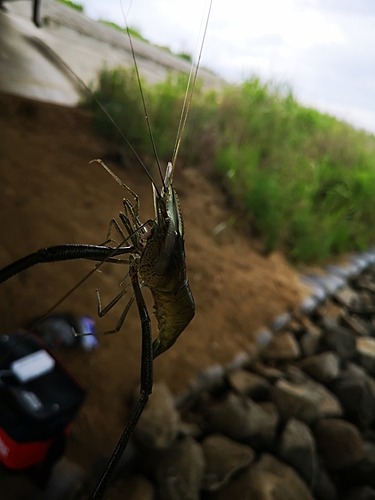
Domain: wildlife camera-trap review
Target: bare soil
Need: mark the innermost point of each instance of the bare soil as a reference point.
(50, 194)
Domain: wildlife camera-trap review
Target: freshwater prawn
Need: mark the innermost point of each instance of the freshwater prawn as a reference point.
(155, 260)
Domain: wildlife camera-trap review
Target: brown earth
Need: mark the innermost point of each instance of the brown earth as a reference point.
(51, 195)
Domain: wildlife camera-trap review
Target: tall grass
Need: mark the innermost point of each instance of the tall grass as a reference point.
(73, 5)
(133, 32)
(307, 179)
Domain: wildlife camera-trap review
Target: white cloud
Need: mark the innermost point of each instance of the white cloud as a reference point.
(324, 48)
(305, 29)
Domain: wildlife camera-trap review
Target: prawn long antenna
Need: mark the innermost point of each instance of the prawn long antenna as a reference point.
(142, 96)
(88, 90)
(189, 95)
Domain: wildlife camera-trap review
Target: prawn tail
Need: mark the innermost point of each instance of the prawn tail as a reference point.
(173, 312)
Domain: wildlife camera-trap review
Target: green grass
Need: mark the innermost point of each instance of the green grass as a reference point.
(72, 5)
(187, 57)
(182, 55)
(304, 177)
(134, 32)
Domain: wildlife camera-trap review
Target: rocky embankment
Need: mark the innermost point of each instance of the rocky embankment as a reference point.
(294, 420)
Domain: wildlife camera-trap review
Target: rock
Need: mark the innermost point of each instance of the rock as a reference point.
(66, 480)
(263, 337)
(267, 479)
(331, 282)
(357, 324)
(135, 487)
(366, 353)
(307, 401)
(295, 375)
(343, 271)
(241, 359)
(180, 471)
(310, 341)
(206, 380)
(280, 322)
(309, 304)
(268, 372)
(360, 493)
(339, 443)
(282, 347)
(322, 367)
(330, 315)
(249, 384)
(267, 436)
(366, 302)
(242, 419)
(323, 487)
(366, 282)
(369, 257)
(356, 392)
(296, 326)
(366, 307)
(224, 458)
(342, 341)
(252, 355)
(159, 422)
(364, 471)
(347, 297)
(360, 261)
(191, 429)
(231, 417)
(319, 292)
(297, 448)
(371, 384)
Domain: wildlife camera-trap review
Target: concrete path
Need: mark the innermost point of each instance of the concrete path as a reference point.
(34, 61)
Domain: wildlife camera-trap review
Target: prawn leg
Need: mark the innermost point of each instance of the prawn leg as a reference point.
(102, 312)
(60, 253)
(146, 388)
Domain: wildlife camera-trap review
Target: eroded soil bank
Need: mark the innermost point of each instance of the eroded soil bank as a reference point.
(51, 195)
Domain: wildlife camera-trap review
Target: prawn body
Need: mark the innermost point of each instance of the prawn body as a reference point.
(162, 268)
(157, 262)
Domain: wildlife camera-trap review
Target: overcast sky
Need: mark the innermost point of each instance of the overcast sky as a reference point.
(323, 49)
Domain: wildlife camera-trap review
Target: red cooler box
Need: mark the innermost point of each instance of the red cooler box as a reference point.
(38, 400)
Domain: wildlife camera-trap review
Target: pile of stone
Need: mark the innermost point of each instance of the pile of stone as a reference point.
(295, 419)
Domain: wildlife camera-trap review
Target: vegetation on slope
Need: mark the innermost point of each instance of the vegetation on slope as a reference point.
(72, 5)
(305, 177)
(135, 33)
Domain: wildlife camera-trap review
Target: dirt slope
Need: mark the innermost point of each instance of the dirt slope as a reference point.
(51, 195)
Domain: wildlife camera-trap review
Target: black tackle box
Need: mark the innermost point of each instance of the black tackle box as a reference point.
(33, 409)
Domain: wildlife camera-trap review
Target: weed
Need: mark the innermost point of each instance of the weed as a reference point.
(307, 178)
(72, 5)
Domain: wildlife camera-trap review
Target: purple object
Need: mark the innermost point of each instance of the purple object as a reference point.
(89, 340)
